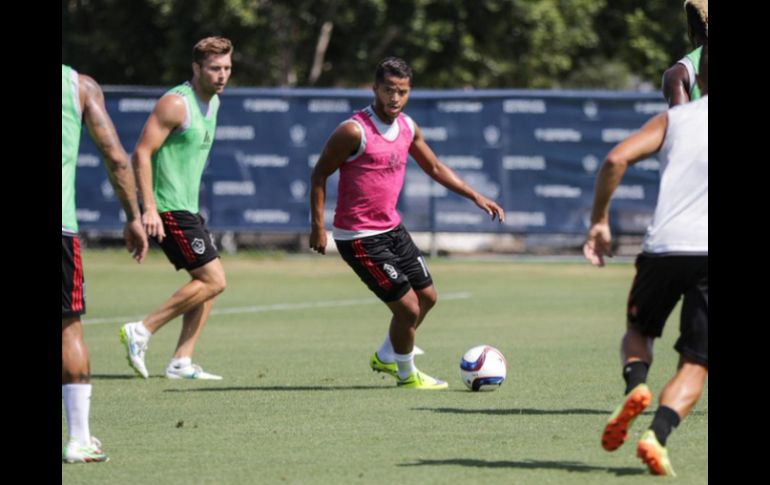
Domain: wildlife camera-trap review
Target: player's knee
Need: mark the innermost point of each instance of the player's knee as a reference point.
(408, 310)
(72, 336)
(218, 285)
(411, 312)
(428, 301)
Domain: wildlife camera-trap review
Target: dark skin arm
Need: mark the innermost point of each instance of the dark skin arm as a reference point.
(675, 82)
(103, 133)
(429, 162)
(342, 143)
(345, 141)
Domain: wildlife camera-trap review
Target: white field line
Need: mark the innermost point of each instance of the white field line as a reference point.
(276, 308)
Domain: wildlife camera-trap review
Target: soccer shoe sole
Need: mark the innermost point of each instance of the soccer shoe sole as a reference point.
(87, 459)
(616, 430)
(425, 387)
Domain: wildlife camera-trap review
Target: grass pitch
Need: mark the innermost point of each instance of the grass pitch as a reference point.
(299, 404)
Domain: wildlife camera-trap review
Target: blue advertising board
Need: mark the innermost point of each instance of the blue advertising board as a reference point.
(535, 152)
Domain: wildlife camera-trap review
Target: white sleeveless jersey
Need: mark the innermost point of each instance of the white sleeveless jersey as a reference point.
(681, 220)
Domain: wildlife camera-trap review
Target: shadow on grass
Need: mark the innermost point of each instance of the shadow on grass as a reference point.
(535, 412)
(113, 377)
(516, 411)
(569, 466)
(280, 388)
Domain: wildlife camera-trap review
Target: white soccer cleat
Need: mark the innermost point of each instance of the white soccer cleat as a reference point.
(190, 371)
(417, 351)
(75, 453)
(136, 346)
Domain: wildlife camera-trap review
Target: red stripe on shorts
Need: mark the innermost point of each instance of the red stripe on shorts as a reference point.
(373, 269)
(77, 277)
(181, 241)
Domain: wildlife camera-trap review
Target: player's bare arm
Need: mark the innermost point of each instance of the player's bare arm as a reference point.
(638, 146)
(429, 162)
(168, 114)
(343, 143)
(105, 137)
(675, 82)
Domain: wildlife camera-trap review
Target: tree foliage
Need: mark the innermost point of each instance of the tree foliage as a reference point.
(618, 44)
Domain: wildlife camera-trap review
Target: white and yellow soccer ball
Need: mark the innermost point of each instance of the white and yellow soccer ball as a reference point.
(483, 368)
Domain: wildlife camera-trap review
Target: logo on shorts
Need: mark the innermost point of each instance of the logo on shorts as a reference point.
(198, 245)
(391, 271)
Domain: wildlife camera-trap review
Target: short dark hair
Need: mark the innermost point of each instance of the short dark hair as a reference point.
(703, 67)
(211, 46)
(392, 66)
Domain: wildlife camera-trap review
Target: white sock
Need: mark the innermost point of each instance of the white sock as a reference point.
(77, 404)
(386, 352)
(142, 331)
(180, 362)
(405, 363)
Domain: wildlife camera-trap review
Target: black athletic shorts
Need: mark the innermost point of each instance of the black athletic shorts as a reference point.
(659, 283)
(389, 263)
(73, 287)
(188, 243)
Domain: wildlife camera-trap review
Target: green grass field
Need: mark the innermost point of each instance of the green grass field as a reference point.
(299, 403)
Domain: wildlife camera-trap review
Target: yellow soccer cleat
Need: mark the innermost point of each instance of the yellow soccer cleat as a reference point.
(419, 380)
(654, 455)
(379, 366)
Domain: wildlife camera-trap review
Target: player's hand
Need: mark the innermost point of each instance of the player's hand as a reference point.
(136, 240)
(598, 244)
(318, 240)
(491, 208)
(153, 224)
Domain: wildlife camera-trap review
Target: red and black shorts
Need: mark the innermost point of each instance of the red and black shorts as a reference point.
(188, 243)
(659, 283)
(389, 263)
(73, 294)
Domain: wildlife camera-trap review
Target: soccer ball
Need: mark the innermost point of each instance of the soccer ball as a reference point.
(483, 368)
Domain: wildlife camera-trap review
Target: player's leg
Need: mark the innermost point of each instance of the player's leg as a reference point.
(410, 310)
(683, 391)
(76, 368)
(406, 314)
(652, 297)
(189, 246)
(181, 365)
(677, 399)
(374, 261)
(427, 298)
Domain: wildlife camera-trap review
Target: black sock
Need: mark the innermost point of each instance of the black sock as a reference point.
(664, 422)
(635, 373)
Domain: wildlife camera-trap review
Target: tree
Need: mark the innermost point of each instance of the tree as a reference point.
(450, 43)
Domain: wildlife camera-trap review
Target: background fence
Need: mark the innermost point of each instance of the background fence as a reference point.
(535, 152)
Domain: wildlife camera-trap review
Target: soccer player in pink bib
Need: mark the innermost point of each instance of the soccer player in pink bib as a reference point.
(371, 150)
